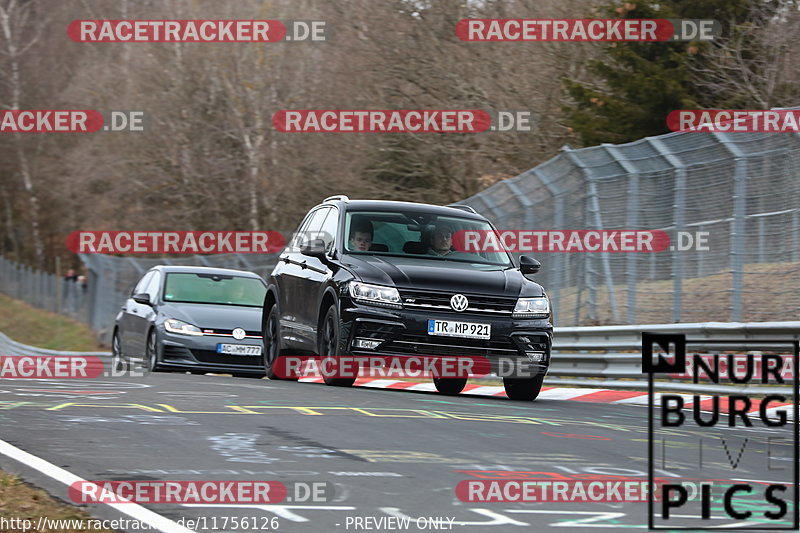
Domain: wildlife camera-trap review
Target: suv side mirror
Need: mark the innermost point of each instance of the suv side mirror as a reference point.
(142, 298)
(529, 265)
(314, 248)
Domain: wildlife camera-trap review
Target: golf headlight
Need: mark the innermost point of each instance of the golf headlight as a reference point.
(532, 308)
(375, 294)
(173, 325)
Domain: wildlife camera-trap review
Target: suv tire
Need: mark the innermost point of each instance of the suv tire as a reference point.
(450, 386)
(524, 389)
(329, 344)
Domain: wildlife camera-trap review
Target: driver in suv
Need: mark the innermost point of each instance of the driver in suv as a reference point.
(380, 278)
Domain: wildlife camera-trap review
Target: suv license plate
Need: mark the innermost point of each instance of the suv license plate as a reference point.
(466, 330)
(238, 349)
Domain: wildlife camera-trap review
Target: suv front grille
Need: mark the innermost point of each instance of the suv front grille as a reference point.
(440, 301)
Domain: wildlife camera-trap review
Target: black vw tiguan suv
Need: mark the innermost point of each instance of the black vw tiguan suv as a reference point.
(369, 278)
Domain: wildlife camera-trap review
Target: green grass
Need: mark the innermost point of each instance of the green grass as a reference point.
(22, 501)
(36, 327)
(29, 325)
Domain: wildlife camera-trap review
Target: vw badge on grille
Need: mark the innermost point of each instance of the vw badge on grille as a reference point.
(238, 334)
(459, 302)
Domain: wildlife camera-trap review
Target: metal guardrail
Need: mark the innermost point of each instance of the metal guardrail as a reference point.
(630, 337)
(14, 348)
(577, 359)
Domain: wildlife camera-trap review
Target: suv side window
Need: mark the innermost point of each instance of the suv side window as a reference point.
(141, 286)
(315, 224)
(299, 236)
(154, 286)
(329, 227)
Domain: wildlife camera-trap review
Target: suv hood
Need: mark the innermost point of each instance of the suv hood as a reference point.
(442, 275)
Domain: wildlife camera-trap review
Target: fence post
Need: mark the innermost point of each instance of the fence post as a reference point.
(36, 300)
(558, 221)
(679, 209)
(632, 260)
(597, 222)
(738, 224)
(29, 284)
(18, 282)
(94, 298)
(51, 294)
(738, 237)
(679, 205)
(580, 281)
(700, 256)
(632, 221)
(558, 278)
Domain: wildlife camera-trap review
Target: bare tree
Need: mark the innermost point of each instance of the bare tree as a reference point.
(20, 32)
(210, 157)
(757, 65)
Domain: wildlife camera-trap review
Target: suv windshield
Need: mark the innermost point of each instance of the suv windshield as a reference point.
(214, 289)
(414, 234)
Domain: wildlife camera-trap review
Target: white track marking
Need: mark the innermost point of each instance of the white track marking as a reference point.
(133, 510)
(562, 393)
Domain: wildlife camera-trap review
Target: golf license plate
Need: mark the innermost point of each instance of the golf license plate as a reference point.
(466, 330)
(238, 349)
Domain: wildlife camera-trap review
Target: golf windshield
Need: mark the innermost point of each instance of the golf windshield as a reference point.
(214, 289)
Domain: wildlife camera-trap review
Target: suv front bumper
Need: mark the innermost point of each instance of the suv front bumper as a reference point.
(524, 344)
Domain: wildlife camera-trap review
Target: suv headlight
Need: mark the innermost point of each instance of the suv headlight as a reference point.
(532, 308)
(375, 294)
(173, 325)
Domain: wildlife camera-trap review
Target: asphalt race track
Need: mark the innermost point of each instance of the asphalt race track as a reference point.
(386, 453)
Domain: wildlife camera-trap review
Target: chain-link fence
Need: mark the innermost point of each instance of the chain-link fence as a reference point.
(743, 189)
(96, 300)
(63, 295)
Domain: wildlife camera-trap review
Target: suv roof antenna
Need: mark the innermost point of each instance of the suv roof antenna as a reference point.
(341, 197)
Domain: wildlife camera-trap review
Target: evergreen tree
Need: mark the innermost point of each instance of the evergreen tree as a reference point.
(639, 83)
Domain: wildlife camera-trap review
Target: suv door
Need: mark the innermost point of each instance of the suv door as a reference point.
(317, 273)
(289, 278)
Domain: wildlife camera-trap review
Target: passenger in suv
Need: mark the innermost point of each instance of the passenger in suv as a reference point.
(401, 297)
